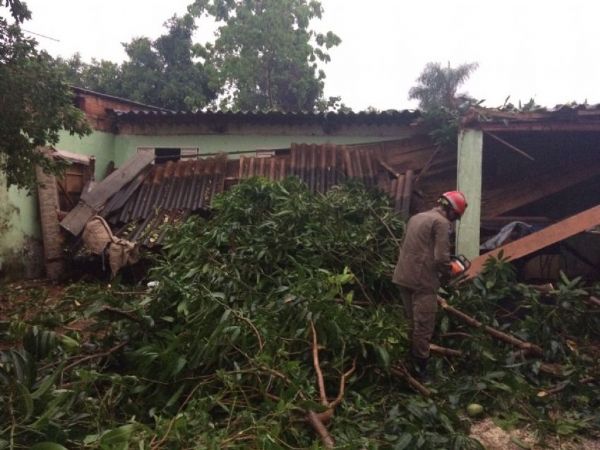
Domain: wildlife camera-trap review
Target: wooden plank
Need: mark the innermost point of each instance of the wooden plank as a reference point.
(77, 218)
(389, 168)
(348, 162)
(407, 193)
(116, 180)
(545, 126)
(293, 160)
(398, 194)
(517, 194)
(511, 146)
(241, 167)
(92, 201)
(370, 168)
(543, 238)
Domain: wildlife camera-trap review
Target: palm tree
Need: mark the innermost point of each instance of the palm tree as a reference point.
(438, 86)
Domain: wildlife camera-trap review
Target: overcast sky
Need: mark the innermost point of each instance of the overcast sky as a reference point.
(545, 49)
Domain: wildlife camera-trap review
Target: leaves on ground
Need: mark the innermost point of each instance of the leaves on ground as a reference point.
(219, 354)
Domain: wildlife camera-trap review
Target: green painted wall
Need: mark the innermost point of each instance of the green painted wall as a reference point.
(99, 144)
(470, 151)
(127, 145)
(20, 234)
(20, 231)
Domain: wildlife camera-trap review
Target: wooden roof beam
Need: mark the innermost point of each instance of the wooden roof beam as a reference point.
(536, 241)
(539, 126)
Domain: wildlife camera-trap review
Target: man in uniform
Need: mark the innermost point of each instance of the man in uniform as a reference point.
(424, 259)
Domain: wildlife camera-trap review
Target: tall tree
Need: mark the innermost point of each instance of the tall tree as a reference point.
(266, 54)
(441, 103)
(170, 71)
(35, 103)
(103, 76)
(438, 86)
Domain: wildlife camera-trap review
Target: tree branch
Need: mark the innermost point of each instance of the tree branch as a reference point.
(523, 345)
(400, 371)
(340, 396)
(444, 350)
(316, 423)
(315, 353)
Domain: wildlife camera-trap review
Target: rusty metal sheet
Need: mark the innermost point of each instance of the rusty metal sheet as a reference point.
(181, 186)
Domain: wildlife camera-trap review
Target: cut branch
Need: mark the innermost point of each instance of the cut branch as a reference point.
(319, 420)
(543, 288)
(126, 314)
(400, 371)
(561, 387)
(516, 342)
(96, 355)
(457, 334)
(343, 379)
(444, 350)
(396, 240)
(428, 164)
(594, 301)
(321, 430)
(315, 352)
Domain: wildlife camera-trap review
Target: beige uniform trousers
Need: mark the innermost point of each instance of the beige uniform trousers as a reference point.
(420, 309)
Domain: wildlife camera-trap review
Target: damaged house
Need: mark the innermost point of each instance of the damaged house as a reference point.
(123, 130)
(532, 179)
(540, 170)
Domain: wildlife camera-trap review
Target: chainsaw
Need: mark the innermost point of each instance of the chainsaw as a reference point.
(459, 264)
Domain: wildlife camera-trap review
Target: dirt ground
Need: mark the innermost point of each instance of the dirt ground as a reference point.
(35, 300)
(495, 438)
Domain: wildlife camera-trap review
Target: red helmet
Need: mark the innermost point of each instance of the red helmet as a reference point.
(457, 201)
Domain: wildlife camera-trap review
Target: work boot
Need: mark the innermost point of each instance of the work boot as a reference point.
(420, 366)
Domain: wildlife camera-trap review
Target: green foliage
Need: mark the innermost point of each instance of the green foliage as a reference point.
(504, 380)
(529, 106)
(170, 71)
(266, 54)
(438, 86)
(35, 103)
(442, 105)
(219, 354)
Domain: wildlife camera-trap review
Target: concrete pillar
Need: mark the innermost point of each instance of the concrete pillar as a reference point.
(470, 152)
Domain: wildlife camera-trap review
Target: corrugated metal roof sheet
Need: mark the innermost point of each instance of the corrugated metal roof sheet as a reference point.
(80, 90)
(566, 112)
(370, 117)
(167, 192)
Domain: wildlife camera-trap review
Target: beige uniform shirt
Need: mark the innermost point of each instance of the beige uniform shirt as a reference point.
(425, 252)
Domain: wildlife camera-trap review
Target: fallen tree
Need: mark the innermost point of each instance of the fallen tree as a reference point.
(275, 324)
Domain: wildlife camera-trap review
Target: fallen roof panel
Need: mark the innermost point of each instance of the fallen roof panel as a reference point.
(536, 241)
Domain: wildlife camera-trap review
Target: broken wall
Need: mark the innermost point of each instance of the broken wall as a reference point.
(21, 250)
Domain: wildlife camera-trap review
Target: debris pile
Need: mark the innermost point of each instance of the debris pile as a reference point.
(274, 324)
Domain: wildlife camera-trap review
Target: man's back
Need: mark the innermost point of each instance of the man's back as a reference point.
(425, 251)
